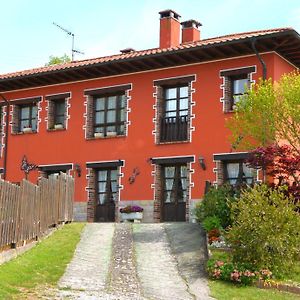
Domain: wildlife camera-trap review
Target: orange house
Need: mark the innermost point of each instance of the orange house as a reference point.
(141, 127)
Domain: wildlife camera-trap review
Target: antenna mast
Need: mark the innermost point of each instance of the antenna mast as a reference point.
(73, 51)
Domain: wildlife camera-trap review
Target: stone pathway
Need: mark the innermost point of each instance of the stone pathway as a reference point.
(157, 268)
(136, 262)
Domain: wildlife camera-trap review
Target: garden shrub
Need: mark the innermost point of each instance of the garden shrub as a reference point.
(235, 272)
(265, 232)
(211, 222)
(216, 202)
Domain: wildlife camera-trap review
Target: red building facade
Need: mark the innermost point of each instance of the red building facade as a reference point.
(141, 127)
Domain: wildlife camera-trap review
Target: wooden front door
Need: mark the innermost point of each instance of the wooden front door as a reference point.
(174, 193)
(106, 194)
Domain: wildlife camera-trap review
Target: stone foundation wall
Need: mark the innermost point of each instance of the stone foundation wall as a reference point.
(80, 211)
(192, 217)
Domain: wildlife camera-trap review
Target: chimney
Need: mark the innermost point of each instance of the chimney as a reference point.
(169, 29)
(190, 31)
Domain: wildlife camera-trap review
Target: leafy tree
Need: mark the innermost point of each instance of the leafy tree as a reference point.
(268, 113)
(55, 60)
(282, 163)
(265, 231)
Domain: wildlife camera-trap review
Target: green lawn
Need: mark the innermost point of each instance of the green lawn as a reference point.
(42, 265)
(227, 291)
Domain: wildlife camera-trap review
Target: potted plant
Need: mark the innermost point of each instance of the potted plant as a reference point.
(98, 135)
(111, 133)
(132, 213)
(59, 126)
(27, 129)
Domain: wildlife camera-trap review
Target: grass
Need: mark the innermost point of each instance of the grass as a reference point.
(226, 291)
(42, 265)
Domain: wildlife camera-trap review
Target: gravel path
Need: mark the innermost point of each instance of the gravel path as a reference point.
(123, 277)
(136, 262)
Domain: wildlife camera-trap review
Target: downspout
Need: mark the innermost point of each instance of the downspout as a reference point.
(6, 135)
(264, 66)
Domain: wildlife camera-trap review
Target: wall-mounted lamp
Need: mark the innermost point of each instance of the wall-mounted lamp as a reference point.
(77, 169)
(202, 162)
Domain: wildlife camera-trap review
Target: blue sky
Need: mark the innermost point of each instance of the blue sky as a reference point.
(28, 36)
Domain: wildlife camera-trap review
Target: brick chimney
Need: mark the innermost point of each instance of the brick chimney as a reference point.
(169, 29)
(190, 31)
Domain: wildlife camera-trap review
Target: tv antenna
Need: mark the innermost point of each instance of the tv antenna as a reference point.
(73, 51)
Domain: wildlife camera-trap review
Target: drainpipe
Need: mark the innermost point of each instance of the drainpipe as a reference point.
(6, 135)
(264, 66)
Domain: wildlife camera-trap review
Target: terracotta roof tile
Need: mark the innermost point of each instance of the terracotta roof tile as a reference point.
(118, 57)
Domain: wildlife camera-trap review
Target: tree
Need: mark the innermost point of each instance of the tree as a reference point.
(282, 163)
(268, 113)
(55, 60)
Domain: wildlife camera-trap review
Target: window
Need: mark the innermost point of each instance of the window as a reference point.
(109, 114)
(237, 173)
(106, 111)
(57, 111)
(235, 85)
(231, 168)
(175, 114)
(107, 186)
(28, 117)
(239, 85)
(54, 170)
(175, 183)
(173, 109)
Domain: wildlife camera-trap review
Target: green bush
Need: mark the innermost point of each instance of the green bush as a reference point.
(210, 223)
(265, 232)
(231, 272)
(217, 202)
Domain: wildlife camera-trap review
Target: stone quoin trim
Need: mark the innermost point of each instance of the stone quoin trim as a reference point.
(3, 128)
(14, 112)
(91, 168)
(88, 126)
(156, 164)
(225, 87)
(159, 85)
(67, 96)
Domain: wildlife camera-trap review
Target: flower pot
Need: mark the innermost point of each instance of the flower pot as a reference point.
(27, 129)
(111, 133)
(134, 216)
(58, 126)
(98, 135)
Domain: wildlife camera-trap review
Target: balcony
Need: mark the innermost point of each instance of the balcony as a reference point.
(174, 129)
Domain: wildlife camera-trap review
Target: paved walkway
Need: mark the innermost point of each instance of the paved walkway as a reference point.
(137, 262)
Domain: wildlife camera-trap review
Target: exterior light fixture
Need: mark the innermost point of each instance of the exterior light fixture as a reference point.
(202, 162)
(77, 169)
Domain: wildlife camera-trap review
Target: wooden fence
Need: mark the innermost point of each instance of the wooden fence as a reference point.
(28, 210)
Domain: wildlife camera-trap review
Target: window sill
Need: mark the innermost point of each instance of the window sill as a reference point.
(22, 132)
(173, 142)
(105, 137)
(56, 129)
